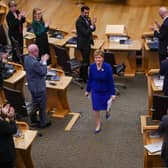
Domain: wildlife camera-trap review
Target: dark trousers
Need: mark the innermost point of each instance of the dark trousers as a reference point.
(85, 63)
(39, 104)
(162, 57)
(17, 48)
(7, 165)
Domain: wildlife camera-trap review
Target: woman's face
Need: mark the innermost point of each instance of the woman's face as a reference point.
(38, 15)
(98, 59)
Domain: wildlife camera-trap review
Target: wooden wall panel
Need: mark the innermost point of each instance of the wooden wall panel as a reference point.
(63, 13)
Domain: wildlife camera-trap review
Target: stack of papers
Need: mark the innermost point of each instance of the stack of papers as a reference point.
(158, 81)
(109, 103)
(154, 147)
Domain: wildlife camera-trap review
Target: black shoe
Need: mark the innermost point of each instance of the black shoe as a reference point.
(34, 123)
(47, 124)
(98, 130)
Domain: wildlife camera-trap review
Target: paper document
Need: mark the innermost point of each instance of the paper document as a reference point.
(154, 147)
(158, 81)
(109, 103)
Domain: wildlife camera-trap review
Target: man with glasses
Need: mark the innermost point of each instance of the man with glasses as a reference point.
(84, 28)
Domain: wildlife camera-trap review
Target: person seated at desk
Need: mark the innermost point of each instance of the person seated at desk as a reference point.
(40, 29)
(36, 72)
(7, 129)
(163, 131)
(164, 72)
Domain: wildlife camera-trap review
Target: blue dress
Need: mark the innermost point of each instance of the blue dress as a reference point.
(101, 85)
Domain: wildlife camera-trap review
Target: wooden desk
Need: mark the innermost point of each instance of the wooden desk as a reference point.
(23, 149)
(125, 53)
(30, 38)
(151, 160)
(98, 43)
(17, 79)
(152, 89)
(57, 96)
(151, 58)
(57, 101)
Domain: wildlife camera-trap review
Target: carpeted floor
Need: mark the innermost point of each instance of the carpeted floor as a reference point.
(118, 145)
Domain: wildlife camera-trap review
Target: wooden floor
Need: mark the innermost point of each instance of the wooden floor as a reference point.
(63, 13)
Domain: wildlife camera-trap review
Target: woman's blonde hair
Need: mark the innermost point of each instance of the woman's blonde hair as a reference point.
(99, 52)
(35, 10)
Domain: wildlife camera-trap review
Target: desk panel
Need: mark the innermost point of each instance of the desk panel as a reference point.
(150, 160)
(23, 149)
(125, 53)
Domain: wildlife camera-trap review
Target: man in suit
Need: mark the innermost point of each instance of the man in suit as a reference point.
(84, 28)
(36, 72)
(7, 129)
(161, 32)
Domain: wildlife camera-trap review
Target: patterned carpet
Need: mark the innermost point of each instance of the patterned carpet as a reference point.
(118, 145)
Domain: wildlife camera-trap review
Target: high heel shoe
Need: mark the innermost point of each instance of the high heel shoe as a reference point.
(97, 130)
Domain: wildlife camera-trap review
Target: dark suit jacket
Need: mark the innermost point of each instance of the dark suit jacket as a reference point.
(162, 35)
(84, 33)
(35, 73)
(15, 26)
(7, 149)
(163, 130)
(164, 72)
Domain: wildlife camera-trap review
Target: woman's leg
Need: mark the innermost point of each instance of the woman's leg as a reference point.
(97, 118)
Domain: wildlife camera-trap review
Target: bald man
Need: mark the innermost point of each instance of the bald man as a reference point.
(35, 73)
(161, 32)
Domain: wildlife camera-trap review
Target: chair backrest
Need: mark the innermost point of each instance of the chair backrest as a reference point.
(160, 106)
(16, 99)
(110, 58)
(62, 58)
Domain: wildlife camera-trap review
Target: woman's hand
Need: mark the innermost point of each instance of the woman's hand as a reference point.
(86, 93)
(113, 97)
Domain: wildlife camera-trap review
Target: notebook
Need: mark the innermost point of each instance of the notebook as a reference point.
(154, 147)
(52, 75)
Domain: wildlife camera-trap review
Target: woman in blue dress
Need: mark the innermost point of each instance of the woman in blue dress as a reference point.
(101, 86)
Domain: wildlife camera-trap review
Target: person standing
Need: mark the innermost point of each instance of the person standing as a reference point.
(15, 20)
(101, 86)
(40, 29)
(84, 28)
(161, 32)
(36, 72)
(7, 129)
(163, 131)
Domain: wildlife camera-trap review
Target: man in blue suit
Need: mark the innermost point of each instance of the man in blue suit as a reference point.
(36, 72)
(161, 32)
